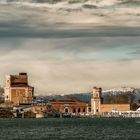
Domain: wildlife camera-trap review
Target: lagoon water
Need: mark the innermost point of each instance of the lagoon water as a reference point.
(70, 129)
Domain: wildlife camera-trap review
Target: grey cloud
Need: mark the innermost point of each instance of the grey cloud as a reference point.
(130, 2)
(29, 22)
(75, 76)
(68, 74)
(68, 48)
(12, 30)
(63, 56)
(135, 53)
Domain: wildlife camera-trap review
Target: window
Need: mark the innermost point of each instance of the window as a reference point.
(74, 110)
(66, 110)
(89, 109)
(79, 110)
(84, 110)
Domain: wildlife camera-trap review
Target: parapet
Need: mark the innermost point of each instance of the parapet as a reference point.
(97, 90)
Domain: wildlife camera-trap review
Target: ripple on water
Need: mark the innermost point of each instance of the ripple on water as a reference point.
(70, 129)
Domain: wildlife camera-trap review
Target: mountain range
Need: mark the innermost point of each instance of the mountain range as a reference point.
(111, 94)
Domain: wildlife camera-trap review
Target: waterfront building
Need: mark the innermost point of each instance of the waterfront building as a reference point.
(17, 90)
(98, 108)
(73, 106)
(55, 107)
(40, 107)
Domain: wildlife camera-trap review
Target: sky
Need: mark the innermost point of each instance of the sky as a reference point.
(66, 50)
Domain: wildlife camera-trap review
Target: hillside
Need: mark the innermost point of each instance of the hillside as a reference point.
(120, 95)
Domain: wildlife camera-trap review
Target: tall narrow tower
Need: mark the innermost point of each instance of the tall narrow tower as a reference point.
(7, 89)
(96, 101)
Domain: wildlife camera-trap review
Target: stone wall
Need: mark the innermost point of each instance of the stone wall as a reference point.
(22, 95)
(118, 107)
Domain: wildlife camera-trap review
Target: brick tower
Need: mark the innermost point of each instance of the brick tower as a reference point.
(17, 90)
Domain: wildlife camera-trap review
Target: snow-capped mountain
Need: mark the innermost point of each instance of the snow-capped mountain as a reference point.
(119, 90)
(134, 93)
(122, 90)
(124, 93)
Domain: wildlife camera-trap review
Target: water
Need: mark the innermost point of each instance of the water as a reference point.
(70, 129)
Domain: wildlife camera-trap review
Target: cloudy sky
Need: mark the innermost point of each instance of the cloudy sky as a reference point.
(70, 48)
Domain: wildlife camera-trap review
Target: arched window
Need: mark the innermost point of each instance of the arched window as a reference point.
(97, 94)
(74, 110)
(79, 110)
(84, 110)
(66, 110)
(89, 109)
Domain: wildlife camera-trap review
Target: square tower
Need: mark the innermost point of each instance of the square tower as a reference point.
(96, 101)
(17, 91)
